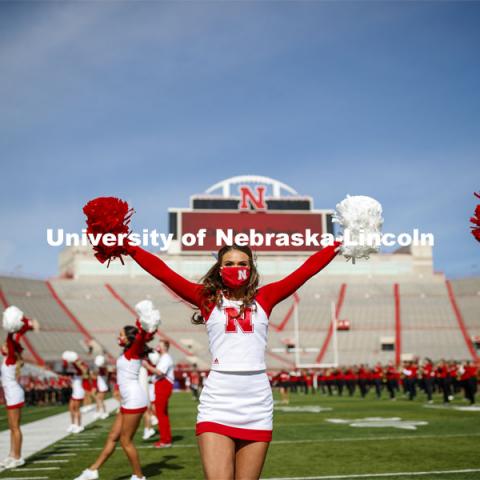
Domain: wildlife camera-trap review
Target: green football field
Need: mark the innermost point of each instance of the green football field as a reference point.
(313, 438)
(30, 414)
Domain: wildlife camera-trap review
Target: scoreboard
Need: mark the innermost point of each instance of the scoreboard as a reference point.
(247, 203)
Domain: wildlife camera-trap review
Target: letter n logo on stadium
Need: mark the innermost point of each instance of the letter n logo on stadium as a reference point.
(234, 320)
(249, 199)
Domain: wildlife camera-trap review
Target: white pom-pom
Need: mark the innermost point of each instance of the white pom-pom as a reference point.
(69, 356)
(154, 358)
(148, 316)
(361, 220)
(12, 319)
(99, 361)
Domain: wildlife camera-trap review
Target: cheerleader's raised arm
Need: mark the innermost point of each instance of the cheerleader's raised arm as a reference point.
(273, 293)
(189, 291)
(13, 342)
(137, 348)
(11, 358)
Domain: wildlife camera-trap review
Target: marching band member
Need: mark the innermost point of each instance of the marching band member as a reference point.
(469, 381)
(393, 376)
(16, 324)
(428, 377)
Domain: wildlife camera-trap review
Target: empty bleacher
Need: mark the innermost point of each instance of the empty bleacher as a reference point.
(58, 332)
(429, 326)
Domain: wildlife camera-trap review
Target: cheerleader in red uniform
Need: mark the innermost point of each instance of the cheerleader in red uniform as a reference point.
(14, 393)
(234, 423)
(133, 401)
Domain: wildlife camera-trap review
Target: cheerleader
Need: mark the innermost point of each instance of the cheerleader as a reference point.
(78, 391)
(234, 423)
(149, 417)
(133, 400)
(102, 387)
(89, 386)
(14, 393)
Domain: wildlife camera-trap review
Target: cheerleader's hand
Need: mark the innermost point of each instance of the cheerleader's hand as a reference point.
(28, 324)
(337, 246)
(361, 217)
(35, 325)
(108, 220)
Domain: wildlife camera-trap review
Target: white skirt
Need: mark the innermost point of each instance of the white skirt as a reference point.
(14, 395)
(133, 398)
(102, 386)
(78, 392)
(236, 404)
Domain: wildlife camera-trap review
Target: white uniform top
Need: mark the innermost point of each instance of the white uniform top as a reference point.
(237, 344)
(143, 378)
(78, 392)
(166, 366)
(14, 394)
(132, 394)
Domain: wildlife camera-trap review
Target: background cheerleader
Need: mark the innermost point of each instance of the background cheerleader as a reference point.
(78, 392)
(149, 417)
(133, 397)
(16, 324)
(102, 387)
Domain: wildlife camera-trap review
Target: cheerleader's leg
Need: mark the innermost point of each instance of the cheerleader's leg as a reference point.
(218, 456)
(16, 438)
(130, 423)
(110, 444)
(249, 459)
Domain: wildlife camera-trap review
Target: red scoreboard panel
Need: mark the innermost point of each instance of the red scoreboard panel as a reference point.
(262, 222)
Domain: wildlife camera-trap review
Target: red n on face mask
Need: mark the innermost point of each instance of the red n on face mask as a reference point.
(234, 277)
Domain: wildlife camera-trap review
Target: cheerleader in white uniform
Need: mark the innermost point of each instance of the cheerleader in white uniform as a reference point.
(102, 387)
(234, 423)
(14, 394)
(133, 402)
(78, 392)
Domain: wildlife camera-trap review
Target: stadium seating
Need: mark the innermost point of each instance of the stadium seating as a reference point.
(428, 324)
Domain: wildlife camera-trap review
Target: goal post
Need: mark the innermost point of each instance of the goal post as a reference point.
(298, 350)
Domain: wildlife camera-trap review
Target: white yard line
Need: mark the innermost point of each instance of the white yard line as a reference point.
(35, 469)
(50, 461)
(40, 434)
(25, 478)
(379, 475)
(60, 455)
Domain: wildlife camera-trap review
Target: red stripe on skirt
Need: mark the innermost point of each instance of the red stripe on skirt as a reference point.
(234, 432)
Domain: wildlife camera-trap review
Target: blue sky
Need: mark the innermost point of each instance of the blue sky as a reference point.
(155, 101)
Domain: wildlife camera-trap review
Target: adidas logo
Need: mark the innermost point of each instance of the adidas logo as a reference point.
(215, 362)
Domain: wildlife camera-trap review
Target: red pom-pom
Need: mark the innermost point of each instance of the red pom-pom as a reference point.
(108, 215)
(476, 220)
